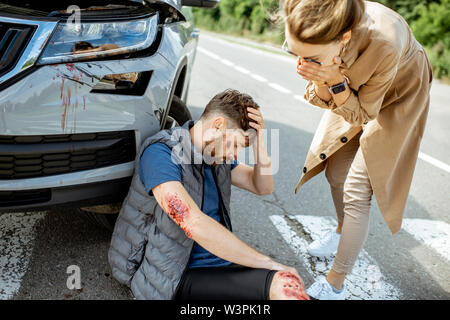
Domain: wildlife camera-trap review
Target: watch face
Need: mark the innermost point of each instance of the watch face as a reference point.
(338, 88)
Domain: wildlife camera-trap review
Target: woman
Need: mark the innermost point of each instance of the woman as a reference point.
(365, 67)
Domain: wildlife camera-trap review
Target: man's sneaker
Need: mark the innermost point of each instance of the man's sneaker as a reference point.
(325, 247)
(322, 290)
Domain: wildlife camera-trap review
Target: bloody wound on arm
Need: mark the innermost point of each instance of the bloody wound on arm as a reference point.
(178, 211)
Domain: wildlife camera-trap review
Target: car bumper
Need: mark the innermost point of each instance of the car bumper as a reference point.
(79, 195)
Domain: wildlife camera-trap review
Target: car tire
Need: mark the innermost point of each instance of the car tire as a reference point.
(104, 216)
(178, 115)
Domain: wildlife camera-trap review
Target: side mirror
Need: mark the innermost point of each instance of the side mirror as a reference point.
(201, 3)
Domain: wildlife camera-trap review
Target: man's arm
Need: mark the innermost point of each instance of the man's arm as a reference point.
(207, 232)
(252, 179)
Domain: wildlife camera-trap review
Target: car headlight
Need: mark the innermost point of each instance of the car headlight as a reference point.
(93, 40)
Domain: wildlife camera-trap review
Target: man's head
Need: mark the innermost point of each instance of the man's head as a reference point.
(225, 125)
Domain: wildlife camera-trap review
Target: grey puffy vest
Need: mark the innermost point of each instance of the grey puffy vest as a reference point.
(149, 252)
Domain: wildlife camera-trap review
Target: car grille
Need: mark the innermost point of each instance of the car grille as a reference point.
(13, 40)
(46, 155)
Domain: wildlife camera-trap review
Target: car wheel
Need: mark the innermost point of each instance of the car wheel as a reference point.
(105, 216)
(178, 113)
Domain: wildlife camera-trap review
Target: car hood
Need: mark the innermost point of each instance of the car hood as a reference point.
(173, 3)
(30, 8)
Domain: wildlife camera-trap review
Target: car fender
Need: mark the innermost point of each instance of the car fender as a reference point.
(180, 66)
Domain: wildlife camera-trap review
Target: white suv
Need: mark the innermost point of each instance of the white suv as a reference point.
(82, 84)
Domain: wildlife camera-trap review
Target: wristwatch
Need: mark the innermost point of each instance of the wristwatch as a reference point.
(340, 87)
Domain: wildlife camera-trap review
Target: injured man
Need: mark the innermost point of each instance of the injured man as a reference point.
(173, 237)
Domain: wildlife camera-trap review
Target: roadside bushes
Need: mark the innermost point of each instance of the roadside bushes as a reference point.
(243, 18)
(429, 20)
(432, 29)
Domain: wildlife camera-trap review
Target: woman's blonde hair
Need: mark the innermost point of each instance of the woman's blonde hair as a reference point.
(321, 21)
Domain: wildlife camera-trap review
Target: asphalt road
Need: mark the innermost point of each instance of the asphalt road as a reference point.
(412, 264)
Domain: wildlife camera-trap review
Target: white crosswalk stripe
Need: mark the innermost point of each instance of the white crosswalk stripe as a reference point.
(434, 234)
(366, 280)
(16, 246)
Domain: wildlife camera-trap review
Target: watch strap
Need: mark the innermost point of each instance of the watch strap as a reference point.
(340, 87)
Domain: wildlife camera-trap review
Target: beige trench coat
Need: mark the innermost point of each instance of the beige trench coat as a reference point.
(390, 77)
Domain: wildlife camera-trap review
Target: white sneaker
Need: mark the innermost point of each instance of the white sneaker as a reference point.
(322, 290)
(325, 247)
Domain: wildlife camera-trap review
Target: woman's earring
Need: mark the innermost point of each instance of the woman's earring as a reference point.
(344, 48)
(341, 52)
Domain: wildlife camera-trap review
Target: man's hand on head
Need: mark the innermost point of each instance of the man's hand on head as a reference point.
(258, 120)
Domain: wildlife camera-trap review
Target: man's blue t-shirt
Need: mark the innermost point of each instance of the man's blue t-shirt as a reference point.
(156, 167)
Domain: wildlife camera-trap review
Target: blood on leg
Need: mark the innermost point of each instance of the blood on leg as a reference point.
(287, 286)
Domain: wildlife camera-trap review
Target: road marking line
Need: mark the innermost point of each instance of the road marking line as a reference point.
(279, 88)
(272, 55)
(208, 53)
(366, 280)
(226, 62)
(434, 162)
(258, 77)
(16, 238)
(434, 234)
(300, 98)
(242, 70)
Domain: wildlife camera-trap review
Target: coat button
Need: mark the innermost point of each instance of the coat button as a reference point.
(323, 156)
(304, 170)
(344, 139)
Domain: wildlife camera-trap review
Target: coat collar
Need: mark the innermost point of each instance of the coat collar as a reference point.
(359, 41)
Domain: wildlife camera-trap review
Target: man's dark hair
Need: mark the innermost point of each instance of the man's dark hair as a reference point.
(233, 105)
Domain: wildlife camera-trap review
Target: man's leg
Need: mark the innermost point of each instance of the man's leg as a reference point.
(237, 282)
(286, 286)
(232, 282)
